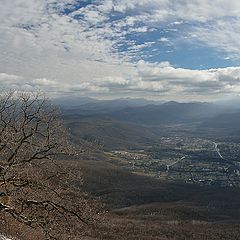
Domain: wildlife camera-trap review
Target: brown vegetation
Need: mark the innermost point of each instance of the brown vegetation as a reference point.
(35, 190)
(41, 187)
(143, 208)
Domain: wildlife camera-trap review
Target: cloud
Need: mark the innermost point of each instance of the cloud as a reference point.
(164, 40)
(144, 78)
(88, 87)
(163, 77)
(222, 36)
(50, 86)
(43, 82)
(7, 77)
(59, 46)
(10, 81)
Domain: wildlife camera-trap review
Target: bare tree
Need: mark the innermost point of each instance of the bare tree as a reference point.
(36, 190)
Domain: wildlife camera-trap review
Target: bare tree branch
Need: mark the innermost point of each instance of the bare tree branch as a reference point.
(34, 190)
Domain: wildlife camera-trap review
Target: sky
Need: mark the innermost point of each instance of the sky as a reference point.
(157, 49)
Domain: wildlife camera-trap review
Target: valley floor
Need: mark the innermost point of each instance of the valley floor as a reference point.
(144, 208)
(137, 207)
